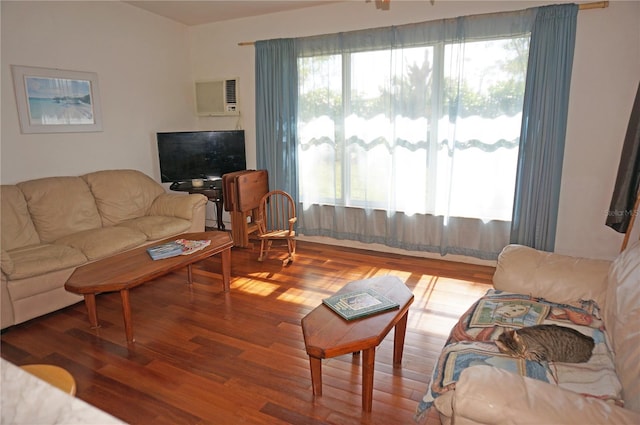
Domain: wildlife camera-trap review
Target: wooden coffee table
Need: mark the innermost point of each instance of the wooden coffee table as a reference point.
(327, 335)
(129, 269)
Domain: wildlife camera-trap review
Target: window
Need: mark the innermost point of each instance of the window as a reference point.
(377, 152)
(429, 129)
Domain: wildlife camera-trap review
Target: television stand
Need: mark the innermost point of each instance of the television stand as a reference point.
(212, 189)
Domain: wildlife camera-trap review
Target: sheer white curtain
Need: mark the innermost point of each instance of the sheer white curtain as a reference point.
(408, 136)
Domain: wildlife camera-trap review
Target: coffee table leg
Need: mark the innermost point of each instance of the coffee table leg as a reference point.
(92, 311)
(126, 312)
(316, 375)
(368, 361)
(398, 339)
(226, 269)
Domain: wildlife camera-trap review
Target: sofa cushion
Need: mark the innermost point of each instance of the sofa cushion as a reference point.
(174, 205)
(158, 227)
(561, 278)
(122, 194)
(105, 241)
(36, 260)
(487, 395)
(622, 316)
(60, 206)
(471, 342)
(6, 262)
(17, 229)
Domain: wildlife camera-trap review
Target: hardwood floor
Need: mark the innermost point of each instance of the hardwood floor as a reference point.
(203, 356)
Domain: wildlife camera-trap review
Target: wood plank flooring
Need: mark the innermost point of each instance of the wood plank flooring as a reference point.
(203, 356)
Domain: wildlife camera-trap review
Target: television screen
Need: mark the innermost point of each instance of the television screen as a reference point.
(200, 154)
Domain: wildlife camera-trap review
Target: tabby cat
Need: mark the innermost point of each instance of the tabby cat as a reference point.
(547, 343)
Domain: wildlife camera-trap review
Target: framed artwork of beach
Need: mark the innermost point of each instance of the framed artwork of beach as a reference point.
(56, 101)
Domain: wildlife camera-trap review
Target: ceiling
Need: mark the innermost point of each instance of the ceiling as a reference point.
(203, 12)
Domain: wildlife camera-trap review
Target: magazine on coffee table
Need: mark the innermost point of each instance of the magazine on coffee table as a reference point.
(357, 304)
(177, 247)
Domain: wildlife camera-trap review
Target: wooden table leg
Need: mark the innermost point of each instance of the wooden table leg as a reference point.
(219, 221)
(368, 361)
(92, 311)
(126, 312)
(226, 269)
(398, 339)
(316, 375)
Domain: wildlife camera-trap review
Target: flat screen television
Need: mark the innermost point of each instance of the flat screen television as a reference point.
(205, 155)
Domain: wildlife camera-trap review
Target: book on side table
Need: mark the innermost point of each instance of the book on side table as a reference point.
(177, 247)
(357, 304)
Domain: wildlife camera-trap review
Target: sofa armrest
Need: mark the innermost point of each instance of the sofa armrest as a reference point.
(6, 262)
(177, 205)
(560, 278)
(489, 395)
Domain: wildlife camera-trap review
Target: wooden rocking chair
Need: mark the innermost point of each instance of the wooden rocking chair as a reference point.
(276, 218)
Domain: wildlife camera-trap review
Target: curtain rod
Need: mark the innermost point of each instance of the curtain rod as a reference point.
(583, 6)
(594, 5)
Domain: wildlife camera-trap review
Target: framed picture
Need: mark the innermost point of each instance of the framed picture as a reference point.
(56, 101)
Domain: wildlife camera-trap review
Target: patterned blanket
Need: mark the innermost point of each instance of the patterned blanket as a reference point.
(471, 343)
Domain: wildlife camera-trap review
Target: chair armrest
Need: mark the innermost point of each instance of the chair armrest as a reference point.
(177, 205)
(6, 262)
(489, 395)
(560, 278)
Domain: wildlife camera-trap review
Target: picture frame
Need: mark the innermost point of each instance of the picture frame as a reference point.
(56, 100)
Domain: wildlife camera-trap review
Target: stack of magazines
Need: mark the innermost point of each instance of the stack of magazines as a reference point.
(177, 247)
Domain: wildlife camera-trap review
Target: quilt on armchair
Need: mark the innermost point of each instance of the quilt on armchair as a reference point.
(471, 343)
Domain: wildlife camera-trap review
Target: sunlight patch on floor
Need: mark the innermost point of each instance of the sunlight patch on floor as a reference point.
(260, 275)
(299, 296)
(254, 287)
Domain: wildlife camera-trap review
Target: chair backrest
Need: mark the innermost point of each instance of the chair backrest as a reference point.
(276, 211)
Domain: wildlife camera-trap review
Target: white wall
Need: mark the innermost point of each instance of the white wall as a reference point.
(143, 67)
(605, 77)
(606, 71)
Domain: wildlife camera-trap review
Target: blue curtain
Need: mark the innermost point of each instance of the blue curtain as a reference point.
(276, 112)
(544, 125)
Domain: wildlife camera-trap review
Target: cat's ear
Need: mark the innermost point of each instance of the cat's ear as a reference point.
(516, 337)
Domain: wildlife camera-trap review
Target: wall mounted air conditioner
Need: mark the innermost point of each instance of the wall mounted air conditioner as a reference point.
(217, 97)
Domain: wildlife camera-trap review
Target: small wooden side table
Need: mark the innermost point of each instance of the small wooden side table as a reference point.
(327, 335)
(54, 375)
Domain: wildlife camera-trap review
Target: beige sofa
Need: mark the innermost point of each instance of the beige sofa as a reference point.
(604, 390)
(52, 225)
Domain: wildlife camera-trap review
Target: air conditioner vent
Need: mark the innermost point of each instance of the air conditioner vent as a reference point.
(230, 91)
